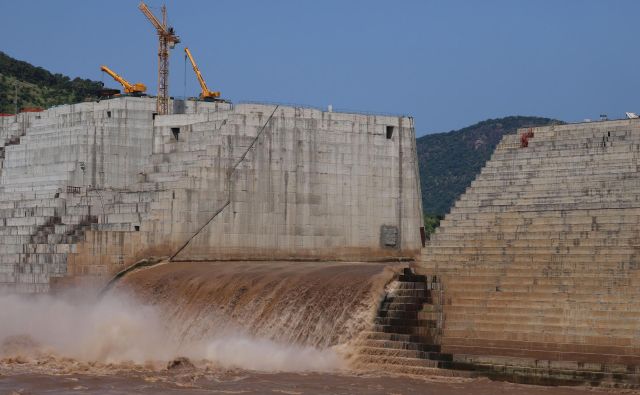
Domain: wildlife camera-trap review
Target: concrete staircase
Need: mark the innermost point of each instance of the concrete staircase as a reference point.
(539, 258)
(40, 154)
(406, 332)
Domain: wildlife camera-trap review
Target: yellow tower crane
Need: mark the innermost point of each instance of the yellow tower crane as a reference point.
(168, 40)
(134, 89)
(205, 93)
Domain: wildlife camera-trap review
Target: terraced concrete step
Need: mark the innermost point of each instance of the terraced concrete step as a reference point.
(599, 240)
(411, 285)
(371, 364)
(582, 151)
(543, 297)
(382, 360)
(516, 165)
(594, 281)
(554, 172)
(401, 306)
(411, 278)
(613, 155)
(398, 314)
(516, 323)
(552, 193)
(555, 233)
(403, 322)
(405, 299)
(418, 331)
(544, 215)
(472, 304)
(406, 292)
(537, 250)
(406, 353)
(567, 206)
(401, 345)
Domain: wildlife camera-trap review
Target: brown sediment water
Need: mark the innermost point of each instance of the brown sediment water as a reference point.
(316, 304)
(241, 327)
(209, 381)
(275, 316)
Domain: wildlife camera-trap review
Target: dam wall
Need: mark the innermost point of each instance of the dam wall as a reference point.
(89, 189)
(539, 259)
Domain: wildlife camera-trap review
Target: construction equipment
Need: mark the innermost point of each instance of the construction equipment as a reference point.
(137, 89)
(205, 93)
(168, 40)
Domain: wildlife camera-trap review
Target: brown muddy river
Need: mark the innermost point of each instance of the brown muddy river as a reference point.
(247, 382)
(243, 328)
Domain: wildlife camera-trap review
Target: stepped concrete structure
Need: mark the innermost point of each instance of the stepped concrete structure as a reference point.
(539, 261)
(87, 190)
(406, 332)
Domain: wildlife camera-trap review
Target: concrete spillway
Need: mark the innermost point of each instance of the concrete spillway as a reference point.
(319, 304)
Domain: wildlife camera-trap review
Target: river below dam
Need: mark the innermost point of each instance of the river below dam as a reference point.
(223, 327)
(252, 382)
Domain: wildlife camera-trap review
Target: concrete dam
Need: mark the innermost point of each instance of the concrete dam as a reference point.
(538, 260)
(89, 189)
(304, 226)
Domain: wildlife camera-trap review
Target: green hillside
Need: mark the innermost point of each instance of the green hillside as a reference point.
(450, 161)
(38, 87)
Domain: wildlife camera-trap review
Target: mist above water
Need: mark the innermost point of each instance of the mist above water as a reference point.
(119, 328)
(318, 304)
(276, 316)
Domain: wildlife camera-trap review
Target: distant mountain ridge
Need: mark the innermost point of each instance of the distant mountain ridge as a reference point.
(450, 161)
(38, 87)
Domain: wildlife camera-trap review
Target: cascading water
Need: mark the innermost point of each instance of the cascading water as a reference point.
(270, 316)
(313, 304)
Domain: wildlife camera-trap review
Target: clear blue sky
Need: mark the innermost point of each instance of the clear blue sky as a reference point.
(448, 63)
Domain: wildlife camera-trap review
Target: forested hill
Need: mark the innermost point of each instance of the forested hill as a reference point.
(38, 87)
(450, 161)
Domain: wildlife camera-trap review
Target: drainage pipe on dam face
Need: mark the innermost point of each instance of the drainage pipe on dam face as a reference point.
(124, 272)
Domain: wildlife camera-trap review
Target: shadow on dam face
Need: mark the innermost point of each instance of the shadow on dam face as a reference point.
(275, 316)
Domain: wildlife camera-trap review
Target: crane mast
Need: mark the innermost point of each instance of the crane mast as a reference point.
(137, 88)
(167, 40)
(205, 93)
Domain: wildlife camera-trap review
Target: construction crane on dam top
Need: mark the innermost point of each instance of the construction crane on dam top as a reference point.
(168, 40)
(205, 93)
(137, 89)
